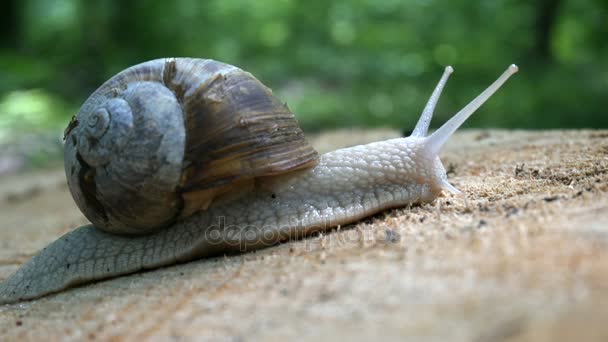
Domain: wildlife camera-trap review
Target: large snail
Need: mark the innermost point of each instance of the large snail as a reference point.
(178, 158)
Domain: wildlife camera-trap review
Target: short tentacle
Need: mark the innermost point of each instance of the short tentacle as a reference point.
(424, 122)
(449, 187)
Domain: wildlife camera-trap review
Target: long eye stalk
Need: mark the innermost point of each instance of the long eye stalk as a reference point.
(440, 136)
(424, 122)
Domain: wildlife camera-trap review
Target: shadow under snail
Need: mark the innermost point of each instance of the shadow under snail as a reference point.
(176, 159)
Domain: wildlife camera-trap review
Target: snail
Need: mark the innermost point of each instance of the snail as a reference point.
(176, 159)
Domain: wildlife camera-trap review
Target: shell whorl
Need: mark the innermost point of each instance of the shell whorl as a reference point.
(126, 159)
(105, 131)
(161, 139)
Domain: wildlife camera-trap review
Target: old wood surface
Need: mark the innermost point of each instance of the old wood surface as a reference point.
(522, 255)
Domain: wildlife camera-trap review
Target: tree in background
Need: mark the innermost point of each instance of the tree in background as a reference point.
(337, 63)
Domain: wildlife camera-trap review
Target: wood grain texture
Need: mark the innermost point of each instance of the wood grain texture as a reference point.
(522, 256)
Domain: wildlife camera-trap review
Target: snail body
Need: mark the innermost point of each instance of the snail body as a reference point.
(279, 190)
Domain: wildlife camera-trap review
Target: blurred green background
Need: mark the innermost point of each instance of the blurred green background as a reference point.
(341, 63)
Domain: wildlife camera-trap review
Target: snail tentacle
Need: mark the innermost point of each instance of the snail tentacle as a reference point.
(233, 172)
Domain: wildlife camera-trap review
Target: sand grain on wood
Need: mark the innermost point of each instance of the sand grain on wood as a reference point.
(522, 255)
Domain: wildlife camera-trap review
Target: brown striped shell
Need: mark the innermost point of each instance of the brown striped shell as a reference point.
(162, 139)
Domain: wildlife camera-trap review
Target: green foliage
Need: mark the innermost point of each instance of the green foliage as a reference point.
(31, 111)
(337, 63)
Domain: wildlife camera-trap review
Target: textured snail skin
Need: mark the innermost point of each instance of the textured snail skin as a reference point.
(345, 186)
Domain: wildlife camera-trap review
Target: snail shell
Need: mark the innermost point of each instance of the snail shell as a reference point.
(184, 132)
(163, 139)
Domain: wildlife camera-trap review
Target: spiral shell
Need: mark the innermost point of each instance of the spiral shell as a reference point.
(163, 139)
(97, 147)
